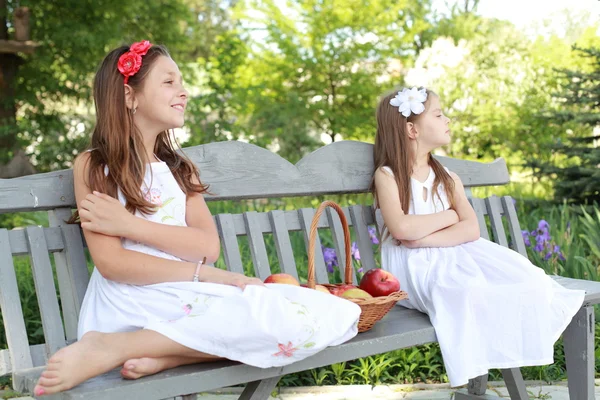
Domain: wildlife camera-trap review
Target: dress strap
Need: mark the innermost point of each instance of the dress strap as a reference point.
(387, 170)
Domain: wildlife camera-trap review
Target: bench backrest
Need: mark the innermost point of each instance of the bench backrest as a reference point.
(235, 170)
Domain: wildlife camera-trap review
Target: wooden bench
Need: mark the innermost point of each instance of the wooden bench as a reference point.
(237, 170)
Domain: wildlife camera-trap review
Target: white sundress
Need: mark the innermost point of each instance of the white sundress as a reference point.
(490, 307)
(261, 326)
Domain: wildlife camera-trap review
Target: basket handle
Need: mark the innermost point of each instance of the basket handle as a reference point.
(312, 237)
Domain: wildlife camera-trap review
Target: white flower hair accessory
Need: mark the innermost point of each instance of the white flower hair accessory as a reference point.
(410, 100)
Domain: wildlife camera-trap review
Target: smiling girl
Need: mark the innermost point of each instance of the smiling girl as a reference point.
(152, 303)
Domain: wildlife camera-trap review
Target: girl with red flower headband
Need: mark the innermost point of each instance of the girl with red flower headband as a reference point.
(152, 303)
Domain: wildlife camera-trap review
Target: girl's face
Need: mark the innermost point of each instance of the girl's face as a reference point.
(433, 129)
(162, 100)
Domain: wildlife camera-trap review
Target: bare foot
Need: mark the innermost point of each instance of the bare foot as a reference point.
(139, 367)
(76, 363)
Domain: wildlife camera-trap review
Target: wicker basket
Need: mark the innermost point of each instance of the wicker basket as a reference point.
(372, 310)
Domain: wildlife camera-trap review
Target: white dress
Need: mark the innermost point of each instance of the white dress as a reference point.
(260, 326)
(490, 307)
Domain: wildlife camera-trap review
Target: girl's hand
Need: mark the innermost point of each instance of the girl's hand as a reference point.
(103, 214)
(217, 275)
(241, 281)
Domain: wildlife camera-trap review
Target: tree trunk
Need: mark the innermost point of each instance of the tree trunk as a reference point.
(19, 165)
(16, 161)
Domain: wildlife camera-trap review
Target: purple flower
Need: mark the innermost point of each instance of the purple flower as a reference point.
(548, 255)
(360, 270)
(543, 226)
(543, 238)
(526, 238)
(373, 235)
(355, 252)
(330, 258)
(560, 254)
(539, 247)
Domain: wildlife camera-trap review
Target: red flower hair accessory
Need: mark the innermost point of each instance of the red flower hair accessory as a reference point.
(129, 63)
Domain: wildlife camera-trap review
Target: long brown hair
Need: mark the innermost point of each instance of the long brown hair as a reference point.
(116, 142)
(392, 149)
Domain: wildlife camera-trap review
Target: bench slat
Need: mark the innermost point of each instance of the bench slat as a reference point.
(400, 328)
(306, 215)
(514, 227)
(248, 171)
(18, 241)
(76, 261)
(479, 208)
(494, 209)
(263, 222)
(76, 267)
(38, 356)
(592, 288)
(12, 313)
(70, 310)
(45, 289)
(291, 220)
(229, 243)
(256, 240)
(365, 247)
(283, 245)
(337, 234)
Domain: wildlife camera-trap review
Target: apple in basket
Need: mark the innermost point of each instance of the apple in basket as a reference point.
(355, 293)
(318, 288)
(339, 289)
(282, 278)
(379, 282)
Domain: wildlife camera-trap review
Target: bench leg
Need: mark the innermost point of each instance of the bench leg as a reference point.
(515, 384)
(475, 390)
(478, 385)
(259, 390)
(579, 354)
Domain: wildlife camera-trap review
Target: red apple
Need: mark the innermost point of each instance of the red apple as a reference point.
(319, 288)
(379, 282)
(338, 290)
(282, 278)
(356, 293)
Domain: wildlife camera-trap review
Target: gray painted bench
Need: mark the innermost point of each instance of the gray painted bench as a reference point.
(237, 170)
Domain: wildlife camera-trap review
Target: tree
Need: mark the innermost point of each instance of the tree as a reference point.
(575, 165)
(310, 68)
(46, 108)
(495, 86)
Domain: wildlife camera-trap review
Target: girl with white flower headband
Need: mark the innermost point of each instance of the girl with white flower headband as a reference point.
(490, 307)
(152, 303)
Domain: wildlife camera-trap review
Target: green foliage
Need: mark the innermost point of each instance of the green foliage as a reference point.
(574, 165)
(314, 70)
(53, 87)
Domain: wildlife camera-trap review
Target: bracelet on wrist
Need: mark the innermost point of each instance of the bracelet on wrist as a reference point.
(197, 273)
